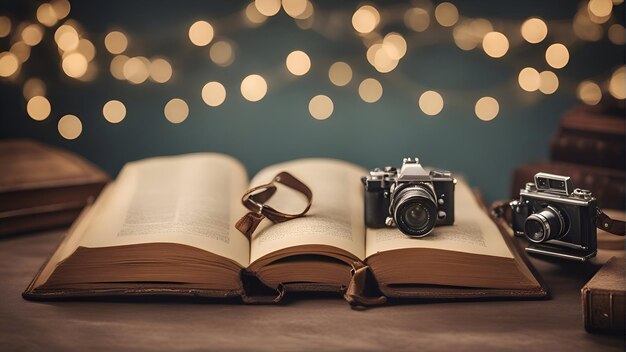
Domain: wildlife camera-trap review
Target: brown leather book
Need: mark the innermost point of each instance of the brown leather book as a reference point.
(607, 185)
(603, 298)
(166, 226)
(601, 150)
(596, 120)
(42, 186)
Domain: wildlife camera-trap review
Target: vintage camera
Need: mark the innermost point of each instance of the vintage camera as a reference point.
(414, 200)
(557, 219)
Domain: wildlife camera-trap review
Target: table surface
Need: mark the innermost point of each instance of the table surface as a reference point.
(303, 323)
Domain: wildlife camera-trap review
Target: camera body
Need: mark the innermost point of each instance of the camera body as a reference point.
(557, 219)
(413, 199)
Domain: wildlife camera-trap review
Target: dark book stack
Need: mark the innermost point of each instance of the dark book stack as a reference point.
(42, 186)
(590, 147)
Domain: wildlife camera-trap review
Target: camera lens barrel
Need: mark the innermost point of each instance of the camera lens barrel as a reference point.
(545, 225)
(414, 210)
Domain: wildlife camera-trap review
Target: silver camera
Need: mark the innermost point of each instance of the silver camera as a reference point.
(413, 199)
(557, 219)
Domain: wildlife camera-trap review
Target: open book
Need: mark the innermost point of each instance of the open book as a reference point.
(166, 226)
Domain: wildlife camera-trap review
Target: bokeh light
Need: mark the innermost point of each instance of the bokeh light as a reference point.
(70, 127)
(66, 37)
(213, 93)
(5, 26)
(75, 65)
(487, 108)
(617, 84)
(32, 34)
(294, 8)
(116, 42)
(33, 87)
(117, 66)
(160, 70)
(382, 61)
(253, 88)
(417, 19)
(21, 51)
(365, 19)
(38, 108)
(585, 28)
(469, 33)
(201, 33)
(87, 49)
(267, 7)
(370, 90)
(600, 8)
(557, 55)
(394, 45)
(61, 8)
(340, 73)
(321, 107)
(548, 82)
(176, 110)
(446, 14)
(9, 64)
(114, 111)
(616, 34)
(495, 44)
(135, 70)
(252, 16)
(589, 92)
(529, 79)
(46, 15)
(222, 53)
(534, 30)
(298, 63)
(431, 103)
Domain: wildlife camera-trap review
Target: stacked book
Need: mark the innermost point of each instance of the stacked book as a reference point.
(590, 147)
(43, 187)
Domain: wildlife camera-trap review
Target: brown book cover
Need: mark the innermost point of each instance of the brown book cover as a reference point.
(607, 185)
(602, 150)
(606, 120)
(42, 186)
(603, 298)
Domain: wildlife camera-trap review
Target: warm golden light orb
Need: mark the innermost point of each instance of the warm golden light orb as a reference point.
(321, 107)
(431, 103)
(253, 88)
(38, 108)
(70, 127)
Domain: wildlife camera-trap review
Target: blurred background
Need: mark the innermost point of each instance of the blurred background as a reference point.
(477, 87)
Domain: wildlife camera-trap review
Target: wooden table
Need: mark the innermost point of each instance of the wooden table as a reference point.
(304, 323)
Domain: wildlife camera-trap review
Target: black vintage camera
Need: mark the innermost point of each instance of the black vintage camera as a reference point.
(414, 200)
(557, 219)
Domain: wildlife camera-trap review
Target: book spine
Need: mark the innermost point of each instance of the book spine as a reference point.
(603, 311)
(594, 150)
(593, 122)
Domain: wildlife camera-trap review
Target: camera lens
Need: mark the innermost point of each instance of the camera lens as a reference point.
(546, 225)
(414, 210)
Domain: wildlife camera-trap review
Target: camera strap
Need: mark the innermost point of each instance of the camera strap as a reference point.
(604, 222)
(255, 199)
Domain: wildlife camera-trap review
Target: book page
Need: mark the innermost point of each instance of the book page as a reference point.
(191, 200)
(336, 215)
(472, 232)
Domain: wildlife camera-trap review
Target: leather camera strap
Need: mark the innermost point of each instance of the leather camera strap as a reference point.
(604, 222)
(255, 199)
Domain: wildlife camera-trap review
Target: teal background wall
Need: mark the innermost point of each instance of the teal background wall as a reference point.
(279, 127)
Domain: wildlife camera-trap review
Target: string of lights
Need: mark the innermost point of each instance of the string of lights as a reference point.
(382, 51)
